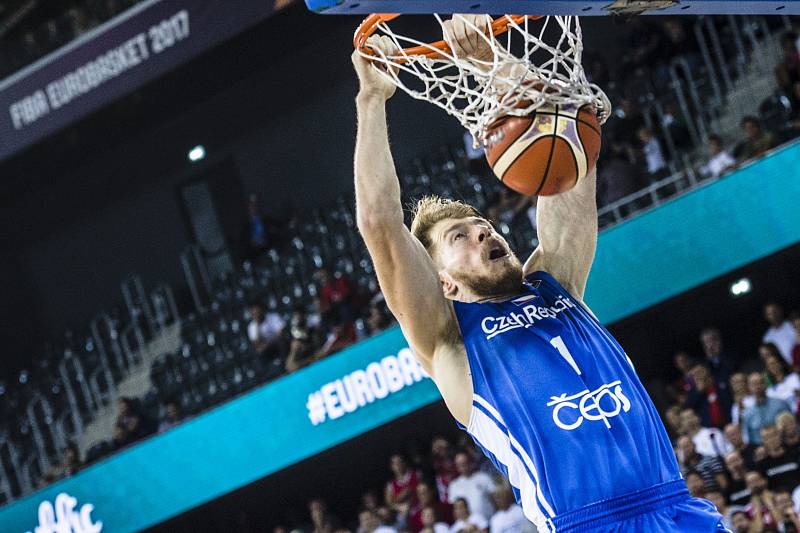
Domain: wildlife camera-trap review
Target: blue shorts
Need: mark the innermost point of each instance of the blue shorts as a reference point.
(665, 508)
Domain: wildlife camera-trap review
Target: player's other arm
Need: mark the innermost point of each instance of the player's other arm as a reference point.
(406, 273)
(567, 228)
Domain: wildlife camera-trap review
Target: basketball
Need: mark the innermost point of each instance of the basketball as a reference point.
(546, 152)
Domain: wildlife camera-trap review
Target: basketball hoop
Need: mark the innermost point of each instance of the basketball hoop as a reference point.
(511, 82)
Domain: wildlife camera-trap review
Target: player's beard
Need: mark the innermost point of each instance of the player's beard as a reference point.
(506, 280)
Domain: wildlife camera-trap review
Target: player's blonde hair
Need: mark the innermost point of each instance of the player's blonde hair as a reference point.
(432, 209)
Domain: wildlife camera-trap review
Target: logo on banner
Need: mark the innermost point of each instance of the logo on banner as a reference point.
(64, 518)
(364, 386)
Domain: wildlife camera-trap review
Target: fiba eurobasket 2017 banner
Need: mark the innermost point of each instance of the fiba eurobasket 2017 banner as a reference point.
(113, 59)
(266, 430)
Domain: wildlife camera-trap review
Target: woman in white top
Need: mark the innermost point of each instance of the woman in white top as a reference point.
(785, 383)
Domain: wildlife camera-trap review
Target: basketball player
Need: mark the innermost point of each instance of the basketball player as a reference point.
(522, 363)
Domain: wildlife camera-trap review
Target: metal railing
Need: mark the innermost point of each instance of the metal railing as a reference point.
(118, 350)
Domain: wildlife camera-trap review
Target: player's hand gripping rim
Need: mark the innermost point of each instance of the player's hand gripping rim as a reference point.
(375, 76)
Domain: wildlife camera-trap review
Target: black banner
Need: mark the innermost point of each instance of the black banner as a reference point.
(149, 39)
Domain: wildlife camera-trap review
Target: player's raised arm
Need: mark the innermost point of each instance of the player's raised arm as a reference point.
(407, 276)
(567, 228)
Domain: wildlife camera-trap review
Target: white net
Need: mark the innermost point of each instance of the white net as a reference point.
(523, 74)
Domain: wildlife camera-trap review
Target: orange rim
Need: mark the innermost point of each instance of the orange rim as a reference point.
(433, 50)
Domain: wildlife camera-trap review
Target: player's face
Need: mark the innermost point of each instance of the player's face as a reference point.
(473, 258)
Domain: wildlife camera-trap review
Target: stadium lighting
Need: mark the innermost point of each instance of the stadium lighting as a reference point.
(197, 153)
(741, 287)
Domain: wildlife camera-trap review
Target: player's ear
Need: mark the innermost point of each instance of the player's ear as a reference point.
(449, 286)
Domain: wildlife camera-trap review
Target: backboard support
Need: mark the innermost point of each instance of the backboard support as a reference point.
(558, 7)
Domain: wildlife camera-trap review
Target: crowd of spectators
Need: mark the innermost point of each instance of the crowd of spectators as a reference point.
(733, 421)
(454, 489)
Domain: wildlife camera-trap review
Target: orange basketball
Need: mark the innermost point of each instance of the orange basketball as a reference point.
(546, 152)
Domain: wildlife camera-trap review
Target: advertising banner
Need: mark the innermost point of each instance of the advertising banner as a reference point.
(144, 42)
(266, 430)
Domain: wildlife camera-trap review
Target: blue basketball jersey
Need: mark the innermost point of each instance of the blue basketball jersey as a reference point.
(557, 404)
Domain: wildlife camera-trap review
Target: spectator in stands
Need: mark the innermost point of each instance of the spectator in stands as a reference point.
(473, 485)
(785, 383)
(173, 415)
(788, 71)
(679, 40)
(720, 160)
(509, 517)
(695, 483)
(444, 467)
(741, 522)
(718, 499)
(368, 522)
(788, 520)
(787, 425)
(721, 363)
(738, 492)
(780, 466)
(781, 332)
(257, 232)
(370, 500)
(432, 522)
(761, 509)
(707, 441)
(466, 521)
(709, 467)
(322, 521)
(265, 330)
(136, 425)
(680, 388)
(655, 163)
(706, 398)
(300, 354)
(673, 422)
(763, 412)
(390, 518)
(733, 432)
(794, 318)
(427, 497)
(342, 334)
(757, 142)
(69, 465)
(741, 397)
(401, 490)
(336, 296)
(674, 122)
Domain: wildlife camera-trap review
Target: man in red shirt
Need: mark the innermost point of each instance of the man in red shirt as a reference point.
(443, 465)
(400, 493)
(426, 497)
(334, 292)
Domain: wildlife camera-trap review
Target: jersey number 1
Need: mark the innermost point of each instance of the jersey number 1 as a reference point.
(559, 345)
